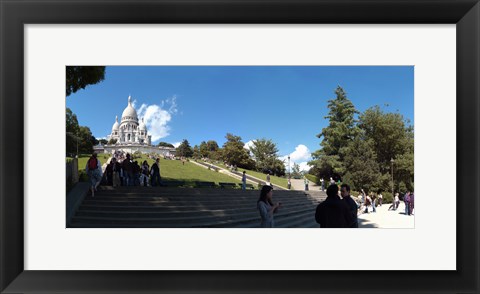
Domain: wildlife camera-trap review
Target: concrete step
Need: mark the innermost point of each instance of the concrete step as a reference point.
(180, 221)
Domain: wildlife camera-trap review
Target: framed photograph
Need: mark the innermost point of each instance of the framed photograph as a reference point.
(235, 49)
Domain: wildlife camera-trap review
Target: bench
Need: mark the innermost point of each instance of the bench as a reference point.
(228, 185)
(201, 184)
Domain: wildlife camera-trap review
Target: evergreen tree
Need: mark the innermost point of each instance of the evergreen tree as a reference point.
(265, 154)
(234, 153)
(328, 160)
(184, 149)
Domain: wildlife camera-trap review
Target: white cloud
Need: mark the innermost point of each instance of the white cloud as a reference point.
(300, 156)
(301, 153)
(248, 145)
(157, 117)
(176, 144)
(304, 166)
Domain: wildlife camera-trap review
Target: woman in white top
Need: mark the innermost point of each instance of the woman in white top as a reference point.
(266, 207)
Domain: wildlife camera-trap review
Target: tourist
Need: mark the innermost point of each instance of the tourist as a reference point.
(268, 179)
(116, 172)
(155, 172)
(397, 201)
(373, 198)
(412, 202)
(322, 184)
(406, 200)
(333, 212)
(289, 183)
(345, 191)
(306, 183)
(127, 166)
(332, 181)
(109, 171)
(94, 171)
(144, 174)
(380, 198)
(136, 173)
(244, 181)
(266, 207)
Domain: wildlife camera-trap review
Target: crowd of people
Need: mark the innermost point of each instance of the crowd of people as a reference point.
(338, 210)
(122, 171)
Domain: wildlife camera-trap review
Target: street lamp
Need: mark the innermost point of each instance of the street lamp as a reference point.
(393, 197)
(289, 166)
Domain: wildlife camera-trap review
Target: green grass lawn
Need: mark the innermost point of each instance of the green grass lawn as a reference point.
(190, 172)
(279, 181)
(83, 158)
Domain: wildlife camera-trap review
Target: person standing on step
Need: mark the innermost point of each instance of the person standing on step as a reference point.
(155, 172)
(244, 181)
(266, 207)
(323, 184)
(145, 173)
(333, 212)
(127, 165)
(289, 183)
(345, 192)
(306, 183)
(115, 172)
(406, 200)
(268, 183)
(380, 198)
(94, 172)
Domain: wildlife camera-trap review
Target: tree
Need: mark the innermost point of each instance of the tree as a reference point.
(362, 170)
(196, 152)
(72, 132)
(112, 141)
(265, 154)
(78, 77)
(103, 141)
(165, 144)
(338, 134)
(296, 173)
(389, 134)
(87, 140)
(184, 149)
(234, 153)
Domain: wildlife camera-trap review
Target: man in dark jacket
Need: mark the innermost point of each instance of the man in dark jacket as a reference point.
(155, 172)
(352, 205)
(333, 212)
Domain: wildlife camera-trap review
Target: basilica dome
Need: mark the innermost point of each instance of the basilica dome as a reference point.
(115, 125)
(142, 126)
(129, 113)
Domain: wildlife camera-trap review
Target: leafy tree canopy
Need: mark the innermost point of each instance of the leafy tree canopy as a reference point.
(78, 77)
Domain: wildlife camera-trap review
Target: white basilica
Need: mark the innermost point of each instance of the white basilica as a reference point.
(131, 136)
(129, 131)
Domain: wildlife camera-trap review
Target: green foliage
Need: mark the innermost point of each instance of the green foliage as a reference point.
(312, 178)
(337, 135)
(296, 173)
(103, 141)
(360, 160)
(184, 149)
(87, 140)
(72, 131)
(112, 141)
(210, 150)
(165, 144)
(233, 152)
(78, 77)
(360, 152)
(265, 155)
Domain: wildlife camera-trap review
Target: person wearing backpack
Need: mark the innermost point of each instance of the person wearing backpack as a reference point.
(94, 172)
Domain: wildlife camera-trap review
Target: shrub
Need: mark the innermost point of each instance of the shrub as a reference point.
(313, 179)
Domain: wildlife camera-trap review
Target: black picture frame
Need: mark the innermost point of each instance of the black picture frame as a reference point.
(14, 14)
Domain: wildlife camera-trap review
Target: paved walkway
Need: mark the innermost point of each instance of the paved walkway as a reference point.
(384, 218)
(299, 185)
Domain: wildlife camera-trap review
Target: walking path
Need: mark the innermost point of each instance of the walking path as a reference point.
(299, 185)
(384, 218)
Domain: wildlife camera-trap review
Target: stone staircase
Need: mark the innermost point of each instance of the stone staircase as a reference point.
(168, 207)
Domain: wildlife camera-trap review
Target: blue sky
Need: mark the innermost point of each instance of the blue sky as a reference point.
(199, 103)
